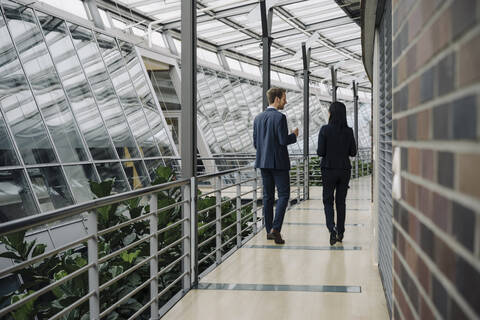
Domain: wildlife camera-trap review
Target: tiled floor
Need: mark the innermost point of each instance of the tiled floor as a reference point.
(305, 280)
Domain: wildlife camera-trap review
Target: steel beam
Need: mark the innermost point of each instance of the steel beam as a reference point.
(333, 72)
(306, 53)
(266, 47)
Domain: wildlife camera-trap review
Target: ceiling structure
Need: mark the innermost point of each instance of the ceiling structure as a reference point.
(233, 27)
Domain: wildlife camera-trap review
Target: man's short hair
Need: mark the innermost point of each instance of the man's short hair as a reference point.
(273, 93)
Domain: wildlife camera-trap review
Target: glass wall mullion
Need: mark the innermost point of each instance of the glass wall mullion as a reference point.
(41, 116)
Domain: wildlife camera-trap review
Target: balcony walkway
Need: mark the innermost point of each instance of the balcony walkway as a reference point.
(305, 278)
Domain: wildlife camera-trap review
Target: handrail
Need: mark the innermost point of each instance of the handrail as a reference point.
(43, 218)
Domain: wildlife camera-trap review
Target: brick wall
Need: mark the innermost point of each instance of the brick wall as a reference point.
(436, 112)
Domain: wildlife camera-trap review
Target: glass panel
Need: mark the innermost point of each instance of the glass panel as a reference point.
(19, 108)
(137, 177)
(16, 199)
(50, 188)
(113, 170)
(7, 153)
(79, 177)
(103, 91)
(45, 83)
(128, 97)
(77, 87)
(154, 117)
(152, 165)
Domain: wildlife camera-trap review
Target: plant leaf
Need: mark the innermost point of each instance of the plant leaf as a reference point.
(10, 255)
(39, 249)
(103, 188)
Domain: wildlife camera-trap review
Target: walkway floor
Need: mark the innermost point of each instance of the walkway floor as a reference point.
(304, 279)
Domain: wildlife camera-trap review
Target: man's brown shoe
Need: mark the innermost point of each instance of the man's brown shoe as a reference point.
(270, 236)
(277, 237)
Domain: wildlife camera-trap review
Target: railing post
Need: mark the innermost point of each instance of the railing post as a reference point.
(186, 231)
(194, 230)
(239, 211)
(153, 252)
(298, 180)
(218, 215)
(306, 172)
(93, 273)
(254, 199)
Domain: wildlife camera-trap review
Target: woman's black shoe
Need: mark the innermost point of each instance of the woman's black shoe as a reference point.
(340, 237)
(333, 238)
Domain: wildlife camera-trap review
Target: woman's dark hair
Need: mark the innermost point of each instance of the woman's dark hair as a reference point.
(338, 115)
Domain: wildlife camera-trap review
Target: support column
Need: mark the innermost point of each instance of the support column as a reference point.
(306, 117)
(189, 132)
(334, 83)
(355, 123)
(266, 18)
(95, 14)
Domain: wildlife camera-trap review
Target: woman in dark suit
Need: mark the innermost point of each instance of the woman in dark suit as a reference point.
(335, 144)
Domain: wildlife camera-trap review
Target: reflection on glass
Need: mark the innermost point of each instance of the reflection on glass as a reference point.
(128, 97)
(7, 154)
(76, 86)
(50, 188)
(79, 177)
(16, 199)
(45, 83)
(103, 91)
(152, 165)
(19, 108)
(137, 176)
(113, 170)
(142, 88)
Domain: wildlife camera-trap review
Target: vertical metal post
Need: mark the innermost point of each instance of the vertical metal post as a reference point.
(306, 115)
(186, 245)
(334, 83)
(238, 180)
(298, 181)
(355, 124)
(154, 261)
(95, 14)
(218, 216)
(254, 199)
(194, 231)
(266, 18)
(189, 130)
(93, 272)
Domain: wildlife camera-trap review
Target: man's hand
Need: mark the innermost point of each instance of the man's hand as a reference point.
(295, 131)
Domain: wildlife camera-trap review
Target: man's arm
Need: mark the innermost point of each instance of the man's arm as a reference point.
(255, 133)
(321, 147)
(284, 138)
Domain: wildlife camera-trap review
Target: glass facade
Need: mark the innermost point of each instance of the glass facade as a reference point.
(75, 106)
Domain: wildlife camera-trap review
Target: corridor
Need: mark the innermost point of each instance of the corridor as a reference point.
(304, 279)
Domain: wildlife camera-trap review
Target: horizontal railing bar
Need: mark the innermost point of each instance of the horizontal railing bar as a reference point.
(43, 218)
(161, 251)
(229, 226)
(207, 256)
(170, 266)
(207, 224)
(126, 297)
(218, 174)
(40, 292)
(142, 309)
(246, 205)
(247, 216)
(72, 306)
(172, 284)
(206, 241)
(173, 225)
(119, 251)
(124, 224)
(124, 274)
(226, 242)
(42, 256)
(248, 227)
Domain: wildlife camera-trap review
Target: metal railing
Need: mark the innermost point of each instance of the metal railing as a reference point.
(143, 251)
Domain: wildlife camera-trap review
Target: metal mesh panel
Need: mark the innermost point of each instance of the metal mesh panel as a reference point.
(385, 155)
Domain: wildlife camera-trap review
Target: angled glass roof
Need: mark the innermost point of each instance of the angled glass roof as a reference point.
(234, 26)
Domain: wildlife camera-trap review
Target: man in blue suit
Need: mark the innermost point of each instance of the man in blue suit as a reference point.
(271, 138)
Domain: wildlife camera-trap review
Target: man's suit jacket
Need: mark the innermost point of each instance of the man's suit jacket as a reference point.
(271, 138)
